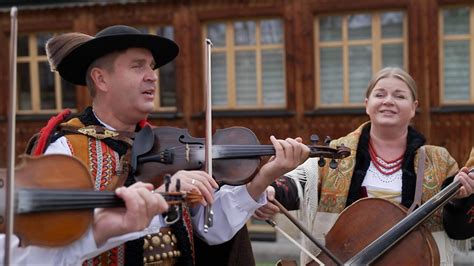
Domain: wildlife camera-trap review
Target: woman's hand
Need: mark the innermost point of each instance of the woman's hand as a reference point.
(467, 183)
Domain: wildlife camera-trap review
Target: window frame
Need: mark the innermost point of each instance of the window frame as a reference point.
(33, 60)
(455, 37)
(376, 42)
(157, 101)
(230, 51)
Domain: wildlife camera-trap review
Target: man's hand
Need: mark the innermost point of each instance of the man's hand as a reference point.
(141, 205)
(467, 182)
(289, 154)
(269, 210)
(194, 180)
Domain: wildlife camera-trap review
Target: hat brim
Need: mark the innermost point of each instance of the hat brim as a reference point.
(74, 66)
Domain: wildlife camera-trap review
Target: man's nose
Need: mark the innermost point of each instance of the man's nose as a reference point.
(151, 75)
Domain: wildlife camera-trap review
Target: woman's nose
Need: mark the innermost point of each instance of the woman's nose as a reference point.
(388, 100)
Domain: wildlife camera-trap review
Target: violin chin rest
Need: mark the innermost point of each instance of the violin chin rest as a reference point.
(143, 143)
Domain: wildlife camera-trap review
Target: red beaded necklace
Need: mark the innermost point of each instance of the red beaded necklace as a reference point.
(384, 167)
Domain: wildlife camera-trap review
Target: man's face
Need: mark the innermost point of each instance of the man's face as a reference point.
(132, 84)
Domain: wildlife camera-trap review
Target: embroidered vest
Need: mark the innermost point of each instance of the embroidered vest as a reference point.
(104, 165)
(334, 184)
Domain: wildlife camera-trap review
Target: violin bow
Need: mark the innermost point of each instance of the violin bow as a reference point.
(274, 225)
(208, 213)
(305, 231)
(11, 138)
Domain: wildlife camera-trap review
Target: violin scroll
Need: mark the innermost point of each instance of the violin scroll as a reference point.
(326, 151)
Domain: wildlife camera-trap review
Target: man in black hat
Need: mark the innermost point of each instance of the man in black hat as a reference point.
(117, 65)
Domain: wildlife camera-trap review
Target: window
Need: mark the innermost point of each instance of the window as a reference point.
(39, 89)
(166, 93)
(456, 55)
(351, 48)
(247, 69)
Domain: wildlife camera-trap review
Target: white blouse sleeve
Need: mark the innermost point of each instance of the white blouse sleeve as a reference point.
(232, 207)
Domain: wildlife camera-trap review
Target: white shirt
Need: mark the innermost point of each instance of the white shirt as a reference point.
(232, 207)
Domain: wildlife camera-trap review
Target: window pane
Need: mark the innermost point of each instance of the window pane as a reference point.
(244, 32)
(216, 33)
(273, 77)
(41, 40)
(246, 78)
(360, 27)
(360, 72)
(271, 31)
(46, 78)
(331, 75)
(23, 84)
(219, 79)
(23, 45)
(330, 28)
(392, 55)
(456, 70)
(456, 21)
(166, 32)
(168, 85)
(392, 24)
(69, 94)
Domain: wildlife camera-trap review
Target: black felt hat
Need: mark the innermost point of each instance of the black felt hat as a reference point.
(74, 65)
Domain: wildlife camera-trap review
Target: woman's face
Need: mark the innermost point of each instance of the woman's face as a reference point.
(390, 103)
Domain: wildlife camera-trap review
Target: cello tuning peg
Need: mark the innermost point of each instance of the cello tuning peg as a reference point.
(333, 164)
(314, 139)
(321, 162)
(327, 140)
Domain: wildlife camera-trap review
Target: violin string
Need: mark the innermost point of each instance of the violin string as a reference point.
(43, 200)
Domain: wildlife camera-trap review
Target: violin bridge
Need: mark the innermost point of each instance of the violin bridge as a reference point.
(187, 149)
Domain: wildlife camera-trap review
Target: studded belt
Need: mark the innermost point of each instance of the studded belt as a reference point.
(161, 248)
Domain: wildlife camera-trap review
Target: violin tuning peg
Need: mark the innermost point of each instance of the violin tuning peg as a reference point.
(327, 140)
(178, 185)
(314, 139)
(167, 178)
(321, 162)
(333, 164)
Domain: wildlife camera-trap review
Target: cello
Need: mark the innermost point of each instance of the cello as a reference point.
(386, 235)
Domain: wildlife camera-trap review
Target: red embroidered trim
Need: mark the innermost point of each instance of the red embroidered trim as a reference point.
(386, 168)
(47, 130)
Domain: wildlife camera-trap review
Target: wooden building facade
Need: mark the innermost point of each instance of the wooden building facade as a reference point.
(311, 61)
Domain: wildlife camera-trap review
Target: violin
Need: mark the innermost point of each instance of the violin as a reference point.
(54, 200)
(236, 154)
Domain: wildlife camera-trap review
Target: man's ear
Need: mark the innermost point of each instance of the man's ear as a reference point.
(98, 77)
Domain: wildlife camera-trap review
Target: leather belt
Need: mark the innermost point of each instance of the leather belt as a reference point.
(161, 248)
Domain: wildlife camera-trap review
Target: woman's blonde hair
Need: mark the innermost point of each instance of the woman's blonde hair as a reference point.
(396, 73)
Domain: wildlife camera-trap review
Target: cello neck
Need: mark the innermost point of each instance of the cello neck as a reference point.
(405, 226)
